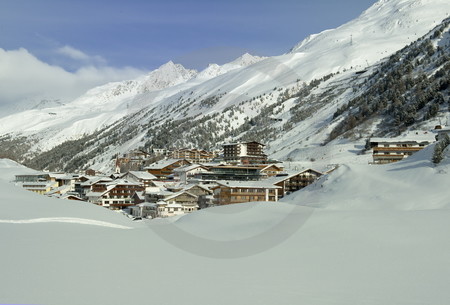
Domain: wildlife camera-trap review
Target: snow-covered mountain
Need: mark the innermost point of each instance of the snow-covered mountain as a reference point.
(214, 70)
(173, 106)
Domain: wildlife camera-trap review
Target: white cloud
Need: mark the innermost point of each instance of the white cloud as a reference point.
(25, 77)
(79, 55)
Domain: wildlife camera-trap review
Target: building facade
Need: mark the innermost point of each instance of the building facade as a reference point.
(387, 150)
(249, 152)
(240, 192)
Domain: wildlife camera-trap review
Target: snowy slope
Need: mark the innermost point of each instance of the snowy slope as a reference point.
(214, 70)
(371, 235)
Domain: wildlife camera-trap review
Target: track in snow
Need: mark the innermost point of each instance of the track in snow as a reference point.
(83, 221)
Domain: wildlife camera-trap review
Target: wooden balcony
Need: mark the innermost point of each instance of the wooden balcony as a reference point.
(397, 149)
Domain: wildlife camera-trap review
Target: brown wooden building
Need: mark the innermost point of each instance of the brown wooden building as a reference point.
(164, 169)
(231, 192)
(296, 181)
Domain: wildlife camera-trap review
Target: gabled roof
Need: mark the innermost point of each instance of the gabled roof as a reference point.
(142, 175)
(290, 175)
(164, 163)
(95, 194)
(122, 182)
(187, 168)
(200, 186)
(178, 194)
(96, 180)
(75, 197)
(263, 167)
(139, 195)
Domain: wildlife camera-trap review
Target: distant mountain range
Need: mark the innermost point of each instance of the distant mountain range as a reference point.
(311, 96)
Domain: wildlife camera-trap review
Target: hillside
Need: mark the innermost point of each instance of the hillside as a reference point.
(363, 235)
(335, 84)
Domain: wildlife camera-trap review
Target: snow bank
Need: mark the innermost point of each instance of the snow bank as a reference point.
(371, 235)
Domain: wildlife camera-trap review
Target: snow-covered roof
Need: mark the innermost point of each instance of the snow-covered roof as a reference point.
(143, 175)
(178, 194)
(140, 195)
(61, 189)
(188, 168)
(96, 180)
(61, 176)
(95, 194)
(123, 182)
(248, 184)
(146, 204)
(162, 164)
(152, 190)
(188, 187)
(67, 196)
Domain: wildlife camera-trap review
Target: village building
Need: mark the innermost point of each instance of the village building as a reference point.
(245, 153)
(164, 169)
(440, 132)
(240, 172)
(115, 194)
(186, 199)
(230, 192)
(159, 152)
(144, 210)
(90, 172)
(142, 177)
(83, 186)
(192, 155)
(157, 193)
(40, 187)
(131, 161)
(179, 203)
(187, 172)
(295, 181)
(388, 150)
(32, 177)
(231, 172)
(44, 183)
(166, 209)
(71, 196)
(271, 170)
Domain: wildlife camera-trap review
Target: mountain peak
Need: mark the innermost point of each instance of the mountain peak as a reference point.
(403, 21)
(214, 70)
(247, 59)
(167, 75)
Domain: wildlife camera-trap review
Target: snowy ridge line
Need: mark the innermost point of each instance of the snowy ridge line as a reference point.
(66, 220)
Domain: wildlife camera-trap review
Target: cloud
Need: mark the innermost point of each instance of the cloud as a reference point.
(79, 55)
(24, 77)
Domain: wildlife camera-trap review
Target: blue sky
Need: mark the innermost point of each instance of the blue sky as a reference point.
(59, 49)
(145, 34)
